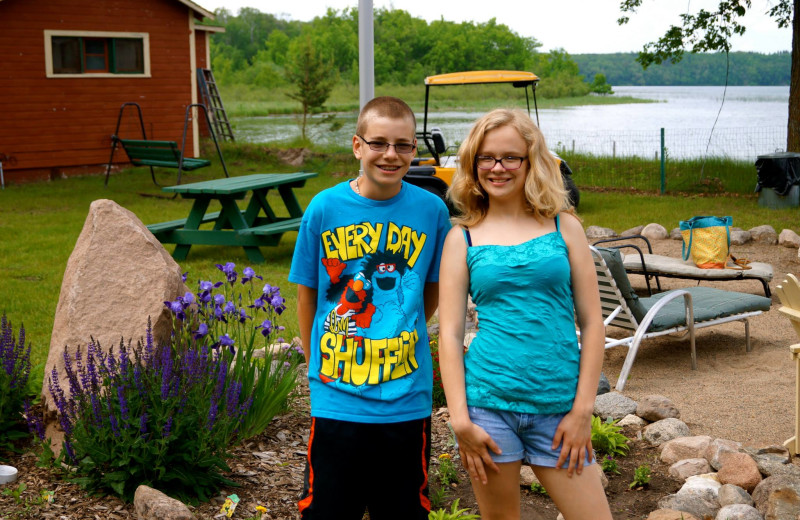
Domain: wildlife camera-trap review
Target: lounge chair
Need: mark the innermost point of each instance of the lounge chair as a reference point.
(651, 265)
(789, 294)
(672, 311)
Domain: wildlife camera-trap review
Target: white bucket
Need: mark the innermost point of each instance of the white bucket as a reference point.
(8, 474)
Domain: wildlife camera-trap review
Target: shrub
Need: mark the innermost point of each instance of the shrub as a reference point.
(163, 419)
(15, 369)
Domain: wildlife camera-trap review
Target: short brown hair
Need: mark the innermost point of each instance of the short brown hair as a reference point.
(384, 106)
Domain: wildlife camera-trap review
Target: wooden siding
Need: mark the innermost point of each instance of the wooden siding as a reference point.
(64, 123)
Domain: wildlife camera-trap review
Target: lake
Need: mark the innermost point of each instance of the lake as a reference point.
(746, 122)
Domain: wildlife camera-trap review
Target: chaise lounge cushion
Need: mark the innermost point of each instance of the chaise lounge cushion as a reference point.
(658, 264)
(708, 304)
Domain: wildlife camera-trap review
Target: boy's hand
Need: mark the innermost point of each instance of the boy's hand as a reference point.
(474, 445)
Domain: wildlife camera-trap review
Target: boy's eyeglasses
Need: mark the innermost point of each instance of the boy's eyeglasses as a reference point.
(511, 162)
(382, 146)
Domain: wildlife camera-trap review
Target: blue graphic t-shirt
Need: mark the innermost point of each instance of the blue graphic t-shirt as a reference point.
(369, 261)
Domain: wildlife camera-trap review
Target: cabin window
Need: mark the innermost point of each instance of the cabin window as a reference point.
(98, 54)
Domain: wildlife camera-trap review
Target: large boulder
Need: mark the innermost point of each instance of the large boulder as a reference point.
(117, 276)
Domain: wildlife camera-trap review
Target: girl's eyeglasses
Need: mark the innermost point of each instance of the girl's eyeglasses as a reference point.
(511, 162)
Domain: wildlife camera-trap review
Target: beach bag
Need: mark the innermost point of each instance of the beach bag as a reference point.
(707, 240)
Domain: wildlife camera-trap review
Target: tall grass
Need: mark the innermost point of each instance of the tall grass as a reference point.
(40, 223)
(712, 176)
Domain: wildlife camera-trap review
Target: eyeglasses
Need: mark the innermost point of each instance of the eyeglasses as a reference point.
(382, 146)
(511, 162)
(386, 268)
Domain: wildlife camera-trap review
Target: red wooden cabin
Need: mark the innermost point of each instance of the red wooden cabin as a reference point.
(68, 65)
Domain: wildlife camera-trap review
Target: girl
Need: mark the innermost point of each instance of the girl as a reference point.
(524, 391)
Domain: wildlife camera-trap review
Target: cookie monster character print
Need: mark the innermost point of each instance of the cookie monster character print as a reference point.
(391, 281)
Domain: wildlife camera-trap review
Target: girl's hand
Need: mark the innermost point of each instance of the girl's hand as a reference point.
(574, 434)
(474, 445)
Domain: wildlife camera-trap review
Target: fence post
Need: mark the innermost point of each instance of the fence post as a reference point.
(663, 165)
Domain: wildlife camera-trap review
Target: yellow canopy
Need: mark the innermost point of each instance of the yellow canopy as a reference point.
(482, 76)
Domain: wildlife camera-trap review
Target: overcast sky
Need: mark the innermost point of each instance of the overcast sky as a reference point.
(578, 26)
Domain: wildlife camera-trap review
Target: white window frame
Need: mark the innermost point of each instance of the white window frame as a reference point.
(48, 53)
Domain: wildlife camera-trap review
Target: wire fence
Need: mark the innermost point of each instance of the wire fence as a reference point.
(694, 159)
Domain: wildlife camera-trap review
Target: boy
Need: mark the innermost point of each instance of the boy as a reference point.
(367, 266)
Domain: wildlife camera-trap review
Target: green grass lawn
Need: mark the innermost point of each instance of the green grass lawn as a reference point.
(40, 223)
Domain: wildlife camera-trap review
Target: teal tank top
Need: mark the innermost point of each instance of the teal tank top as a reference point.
(525, 356)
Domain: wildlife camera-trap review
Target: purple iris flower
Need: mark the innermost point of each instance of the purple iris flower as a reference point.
(230, 271)
(266, 328)
(230, 308)
(201, 331)
(176, 308)
(184, 276)
(187, 299)
(243, 317)
(248, 274)
(206, 286)
(219, 299)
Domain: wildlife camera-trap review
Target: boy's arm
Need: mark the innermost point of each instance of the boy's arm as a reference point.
(306, 310)
(430, 296)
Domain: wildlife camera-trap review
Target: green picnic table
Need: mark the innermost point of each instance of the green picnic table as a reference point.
(255, 226)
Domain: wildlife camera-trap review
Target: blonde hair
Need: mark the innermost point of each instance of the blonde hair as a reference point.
(544, 187)
(384, 106)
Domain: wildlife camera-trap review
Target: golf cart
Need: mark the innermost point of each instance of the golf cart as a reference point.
(434, 169)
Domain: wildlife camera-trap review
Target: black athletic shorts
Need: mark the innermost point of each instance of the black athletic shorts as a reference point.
(353, 467)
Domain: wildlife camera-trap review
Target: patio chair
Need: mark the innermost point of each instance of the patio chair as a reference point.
(678, 310)
(789, 294)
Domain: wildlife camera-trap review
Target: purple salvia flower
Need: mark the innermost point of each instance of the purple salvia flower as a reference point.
(167, 428)
(143, 423)
(114, 426)
(148, 347)
(96, 411)
(166, 376)
(91, 367)
(212, 414)
(123, 404)
(137, 380)
(69, 450)
(245, 407)
(232, 401)
(222, 370)
(35, 425)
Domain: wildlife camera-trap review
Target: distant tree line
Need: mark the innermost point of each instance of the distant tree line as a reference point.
(746, 68)
(257, 48)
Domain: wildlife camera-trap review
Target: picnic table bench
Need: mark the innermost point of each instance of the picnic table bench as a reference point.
(255, 226)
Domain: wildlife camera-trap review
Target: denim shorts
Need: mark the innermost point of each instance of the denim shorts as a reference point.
(522, 436)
